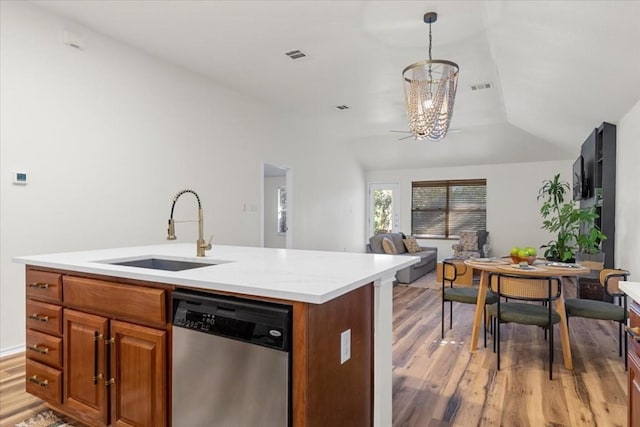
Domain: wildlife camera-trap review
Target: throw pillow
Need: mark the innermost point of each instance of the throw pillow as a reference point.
(388, 246)
(469, 241)
(411, 245)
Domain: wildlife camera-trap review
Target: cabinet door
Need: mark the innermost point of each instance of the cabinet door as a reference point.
(85, 391)
(139, 372)
(634, 390)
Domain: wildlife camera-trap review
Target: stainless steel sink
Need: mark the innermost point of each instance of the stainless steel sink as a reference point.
(163, 264)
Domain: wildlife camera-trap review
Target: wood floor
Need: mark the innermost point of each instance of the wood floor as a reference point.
(442, 384)
(15, 404)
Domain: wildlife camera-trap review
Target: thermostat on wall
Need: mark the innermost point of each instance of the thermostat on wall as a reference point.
(20, 178)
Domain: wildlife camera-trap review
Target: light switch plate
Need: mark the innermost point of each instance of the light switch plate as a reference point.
(345, 346)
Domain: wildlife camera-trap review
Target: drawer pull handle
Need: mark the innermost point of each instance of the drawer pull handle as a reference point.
(634, 332)
(41, 350)
(39, 318)
(39, 285)
(36, 380)
(109, 382)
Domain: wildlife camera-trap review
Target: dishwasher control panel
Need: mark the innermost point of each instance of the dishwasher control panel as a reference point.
(256, 322)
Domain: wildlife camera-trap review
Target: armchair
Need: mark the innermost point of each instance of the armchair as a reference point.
(472, 244)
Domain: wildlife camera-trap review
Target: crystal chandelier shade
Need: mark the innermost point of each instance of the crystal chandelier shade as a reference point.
(430, 92)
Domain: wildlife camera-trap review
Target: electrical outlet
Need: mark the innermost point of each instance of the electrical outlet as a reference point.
(345, 346)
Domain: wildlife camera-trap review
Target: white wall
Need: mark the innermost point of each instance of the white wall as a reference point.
(272, 239)
(628, 193)
(109, 135)
(513, 217)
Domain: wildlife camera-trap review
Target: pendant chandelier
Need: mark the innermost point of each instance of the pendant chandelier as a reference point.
(430, 91)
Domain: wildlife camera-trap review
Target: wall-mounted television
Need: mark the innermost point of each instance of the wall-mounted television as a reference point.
(578, 179)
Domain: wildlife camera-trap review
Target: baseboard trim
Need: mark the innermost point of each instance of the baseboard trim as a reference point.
(9, 351)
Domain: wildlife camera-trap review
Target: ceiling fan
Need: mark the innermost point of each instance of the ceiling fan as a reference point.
(411, 136)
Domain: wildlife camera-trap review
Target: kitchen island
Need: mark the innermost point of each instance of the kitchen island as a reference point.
(91, 297)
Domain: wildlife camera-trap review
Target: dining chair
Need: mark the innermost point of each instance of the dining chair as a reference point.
(465, 294)
(605, 310)
(522, 291)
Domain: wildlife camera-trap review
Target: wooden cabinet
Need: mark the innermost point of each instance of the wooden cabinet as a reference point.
(85, 391)
(44, 335)
(634, 390)
(138, 371)
(97, 350)
(633, 375)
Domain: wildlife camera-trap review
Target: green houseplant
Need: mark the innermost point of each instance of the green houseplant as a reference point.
(575, 228)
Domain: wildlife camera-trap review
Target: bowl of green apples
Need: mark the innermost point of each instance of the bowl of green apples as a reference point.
(523, 254)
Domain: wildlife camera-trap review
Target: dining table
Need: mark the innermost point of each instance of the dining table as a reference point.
(539, 268)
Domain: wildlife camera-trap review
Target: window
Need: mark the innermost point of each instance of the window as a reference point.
(383, 208)
(282, 210)
(441, 209)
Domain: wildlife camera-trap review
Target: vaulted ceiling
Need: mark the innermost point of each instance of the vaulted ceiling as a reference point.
(557, 69)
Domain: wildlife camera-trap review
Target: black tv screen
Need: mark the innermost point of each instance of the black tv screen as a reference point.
(578, 181)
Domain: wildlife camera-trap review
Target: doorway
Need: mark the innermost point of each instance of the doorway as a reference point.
(277, 212)
(384, 208)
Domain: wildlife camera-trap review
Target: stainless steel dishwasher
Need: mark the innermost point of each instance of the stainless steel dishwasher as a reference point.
(231, 361)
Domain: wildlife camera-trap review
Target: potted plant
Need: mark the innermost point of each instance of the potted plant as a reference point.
(575, 228)
(589, 238)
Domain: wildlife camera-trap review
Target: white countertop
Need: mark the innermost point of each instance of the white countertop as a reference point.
(297, 275)
(632, 289)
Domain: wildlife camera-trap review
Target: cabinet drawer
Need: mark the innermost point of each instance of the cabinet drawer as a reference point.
(44, 382)
(44, 348)
(634, 315)
(126, 302)
(44, 317)
(634, 322)
(44, 286)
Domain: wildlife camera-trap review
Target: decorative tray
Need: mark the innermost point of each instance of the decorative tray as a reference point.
(487, 260)
(562, 265)
(517, 267)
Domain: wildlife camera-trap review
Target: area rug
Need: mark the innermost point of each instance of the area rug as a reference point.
(427, 281)
(47, 419)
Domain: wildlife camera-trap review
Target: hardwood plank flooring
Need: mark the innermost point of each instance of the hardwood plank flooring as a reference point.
(15, 404)
(439, 383)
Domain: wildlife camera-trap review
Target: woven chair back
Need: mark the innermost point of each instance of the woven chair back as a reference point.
(452, 268)
(534, 288)
(610, 278)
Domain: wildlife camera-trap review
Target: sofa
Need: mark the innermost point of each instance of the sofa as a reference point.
(428, 256)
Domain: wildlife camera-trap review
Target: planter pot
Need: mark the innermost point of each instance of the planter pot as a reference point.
(591, 261)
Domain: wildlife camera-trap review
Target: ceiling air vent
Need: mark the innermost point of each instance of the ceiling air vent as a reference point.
(342, 107)
(480, 86)
(295, 54)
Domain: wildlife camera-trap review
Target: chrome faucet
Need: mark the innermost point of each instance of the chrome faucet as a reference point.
(201, 245)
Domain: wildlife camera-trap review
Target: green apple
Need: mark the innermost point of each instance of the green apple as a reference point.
(515, 250)
(531, 251)
(522, 253)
